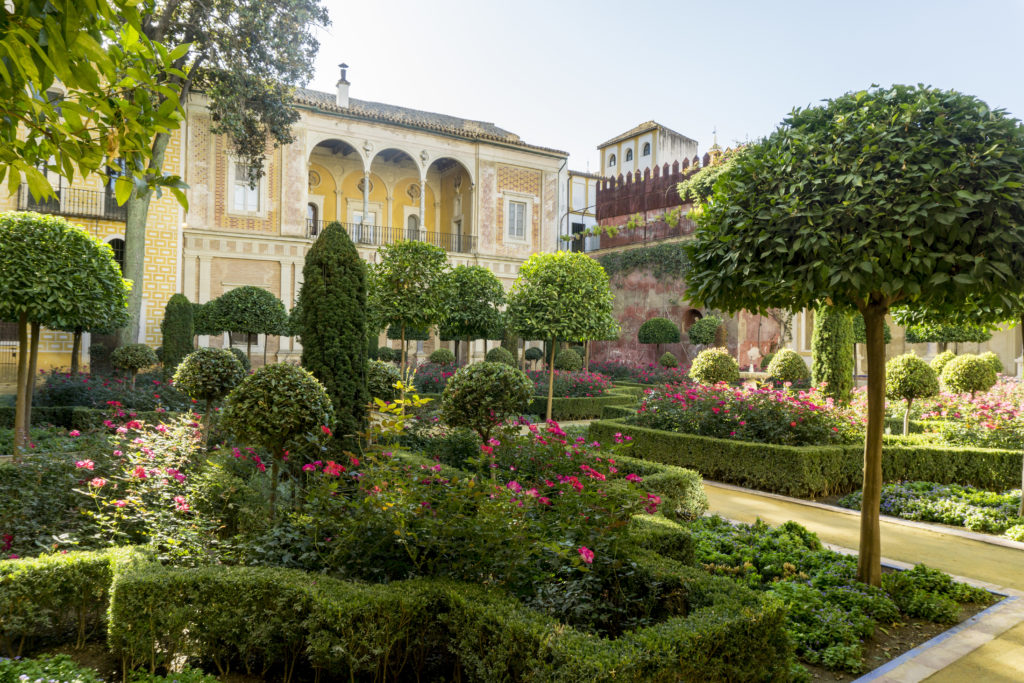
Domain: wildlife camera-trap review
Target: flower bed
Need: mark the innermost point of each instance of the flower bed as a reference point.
(570, 384)
(60, 389)
(965, 506)
(648, 374)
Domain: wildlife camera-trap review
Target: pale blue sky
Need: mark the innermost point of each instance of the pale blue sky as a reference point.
(569, 75)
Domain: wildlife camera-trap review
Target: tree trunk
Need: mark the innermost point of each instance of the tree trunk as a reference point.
(266, 343)
(906, 418)
(248, 347)
(133, 373)
(468, 350)
(21, 436)
(586, 356)
(869, 561)
(402, 371)
(76, 351)
(137, 209)
(273, 486)
(30, 378)
(551, 378)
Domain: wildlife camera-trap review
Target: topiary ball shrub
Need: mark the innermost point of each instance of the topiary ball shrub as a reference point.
(939, 362)
(208, 375)
(658, 331)
(568, 361)
(242, 358)
(277, 408)
(533, 354)
(483, 395)
(767, 360)
(133, 357)
(442, 357)
(992, 359)
(908, 377)
(968, 373)
(381, 378)
(715, 365)
(668, 360)
(500, 355)
(387, 354)
(788, 366)
(702, 332)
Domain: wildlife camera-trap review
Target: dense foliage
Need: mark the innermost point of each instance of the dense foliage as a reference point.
(968, 373)
(939, 362)
(442, 357)
(832, 352)
(177, 330)
(249, 310)
(907, 377)
(714, 365)
(788, 366)
(667, 260)
(472, 308)
(431, 378)
(570, 384)
(208, 375)
(500, 355)
(483, 395)
(381, 378)
(703, 331)
(947, 333)
(658, 331)
(668, 360)
(992, 359)
(133, 357)
(568, 360)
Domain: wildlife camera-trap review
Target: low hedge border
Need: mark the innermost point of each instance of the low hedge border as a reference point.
(811, 471)
(77, 417)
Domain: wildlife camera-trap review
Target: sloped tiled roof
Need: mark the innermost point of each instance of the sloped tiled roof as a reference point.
(389, 113)
(643, 128)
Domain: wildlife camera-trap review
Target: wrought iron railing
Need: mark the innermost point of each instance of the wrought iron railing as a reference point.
(377, 235)
(70, 201)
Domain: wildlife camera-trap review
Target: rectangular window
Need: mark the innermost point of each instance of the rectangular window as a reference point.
(245, 198)
(517, 220)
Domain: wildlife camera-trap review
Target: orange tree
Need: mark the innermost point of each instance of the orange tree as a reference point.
(901, 195)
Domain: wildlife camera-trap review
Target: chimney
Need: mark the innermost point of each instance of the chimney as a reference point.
(343, 86)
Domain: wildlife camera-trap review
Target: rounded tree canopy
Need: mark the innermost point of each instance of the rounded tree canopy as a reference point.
(482, 395)
(58, 275)
(788, 366)
(209, 374)
(533, 353)
(947, 333)
(500, 355)
(133, 357)
(968, 373)
(474, 295)
(408, 285)
(561, 295)
(714, 365)
(703, 331)
(908, 377)
(890, 195)
(250, 309)
(204, 320)
(658, 331)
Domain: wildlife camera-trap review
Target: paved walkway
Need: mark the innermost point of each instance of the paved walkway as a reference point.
(998, 660)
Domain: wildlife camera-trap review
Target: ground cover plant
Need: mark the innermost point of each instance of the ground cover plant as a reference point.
(829, 611)
(976, 509)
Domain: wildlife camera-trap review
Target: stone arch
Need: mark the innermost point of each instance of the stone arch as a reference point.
(690, 317)
(452, 182)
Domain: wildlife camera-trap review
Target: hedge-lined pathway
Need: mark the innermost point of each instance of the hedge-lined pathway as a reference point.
(998, 660)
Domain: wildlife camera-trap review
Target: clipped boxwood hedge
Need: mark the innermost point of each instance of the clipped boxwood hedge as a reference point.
(810, 471)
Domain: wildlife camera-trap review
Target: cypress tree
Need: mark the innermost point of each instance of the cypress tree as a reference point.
(178, 329)
(832, 352)
(333, 323)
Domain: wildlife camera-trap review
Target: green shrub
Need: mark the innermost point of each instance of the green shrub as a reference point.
(907, 377)
(662, 536)
(381, 378)
(482, 395)
(703, 331)
(788, 366)
(668, 360)
(208, 375)
(767, 360)
(51, 668)
(242, 358)
(568, 360)
(968, 373)
(658, 331)
(832, 352)
(534, 353)
(939, 362)
(714, 365)
(442, 357)
(992, 359)
(177, 329)
(133, 357)
(500, 355)
(388, 354)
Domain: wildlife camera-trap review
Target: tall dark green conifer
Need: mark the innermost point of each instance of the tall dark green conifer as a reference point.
(832, 352)
(178, 329)
(332, 325)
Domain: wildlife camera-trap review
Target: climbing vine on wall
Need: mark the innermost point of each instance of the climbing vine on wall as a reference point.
(663, 260)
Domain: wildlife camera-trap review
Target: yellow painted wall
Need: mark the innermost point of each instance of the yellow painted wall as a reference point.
(350, 190)
(403, 200)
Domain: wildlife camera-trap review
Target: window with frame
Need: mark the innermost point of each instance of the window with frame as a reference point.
(517, 220)
(611, 160)
(647, 149)
(629, 155)
(117, 244)
(245, 198)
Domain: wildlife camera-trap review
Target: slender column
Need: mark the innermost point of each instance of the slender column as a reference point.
(423, 199)
(437, 218)
(366, 195)
(391, 211)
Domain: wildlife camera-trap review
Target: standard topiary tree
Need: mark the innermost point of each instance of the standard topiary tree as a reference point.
(968, 373)
(242, 358)
(412, 334)
(275, 408)
(332, 324)
(668, 360)
(992, 358)
(908, 377)
(409, 287)
(250, 310)
(562, 296)
(381, 379)
(442, 357)
(56, 275)
(835, 205)
(208, 375)
(939, 362)
(132, 358)
(712, 366)
(832, 352)
(568, 360)
(204, 321)
(533, 354)
(471, 310)
(500, 355)
(703, 331)
(387, 354)
(945, 334)
(483, 395)
(177, 329)
(658, 331)
(788, 366)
